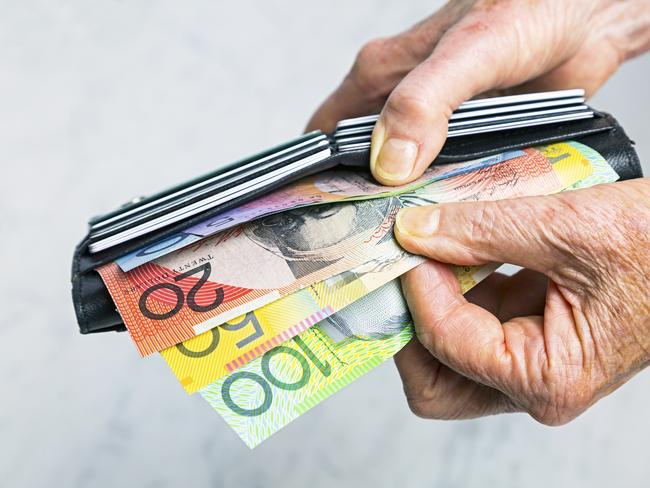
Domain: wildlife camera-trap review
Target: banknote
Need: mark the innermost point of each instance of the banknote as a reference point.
(571, 160)
(266, 394)
(199, 361)
(197, 288)
(567, 162)
(601, 171)
(332, 186)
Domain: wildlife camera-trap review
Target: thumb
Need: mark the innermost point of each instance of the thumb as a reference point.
(412, 126)
(530, 232)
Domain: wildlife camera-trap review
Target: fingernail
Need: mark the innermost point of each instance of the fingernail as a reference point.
(418, 221)
(392, 159)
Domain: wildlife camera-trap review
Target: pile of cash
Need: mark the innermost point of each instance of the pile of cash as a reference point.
(275, 305)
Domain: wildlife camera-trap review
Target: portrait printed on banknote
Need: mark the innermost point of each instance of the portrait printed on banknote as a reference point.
(312, 238)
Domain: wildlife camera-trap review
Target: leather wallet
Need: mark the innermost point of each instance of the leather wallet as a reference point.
(93, 305)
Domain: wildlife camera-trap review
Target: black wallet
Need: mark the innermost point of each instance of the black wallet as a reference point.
(349, 146)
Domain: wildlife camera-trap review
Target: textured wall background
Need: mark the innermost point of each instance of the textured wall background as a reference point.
(101, 101)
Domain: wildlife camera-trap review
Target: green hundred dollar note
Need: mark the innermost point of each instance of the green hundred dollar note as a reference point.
(268, 393)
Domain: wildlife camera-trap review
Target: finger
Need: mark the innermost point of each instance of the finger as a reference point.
(377, 69)
(531, 232)
(412, 126)
(380, 66)
(434, 391)
(476, 55)
(464, 336)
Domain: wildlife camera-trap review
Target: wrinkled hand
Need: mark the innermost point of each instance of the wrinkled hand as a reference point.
(471, 47)
(550, 340)
(557, 336)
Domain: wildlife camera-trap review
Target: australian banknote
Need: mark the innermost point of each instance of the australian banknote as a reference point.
(268, 393)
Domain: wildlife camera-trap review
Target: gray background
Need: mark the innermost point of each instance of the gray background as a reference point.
(101, 101)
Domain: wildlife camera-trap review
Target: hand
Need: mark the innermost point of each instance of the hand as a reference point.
(471, 47)
(550, 340)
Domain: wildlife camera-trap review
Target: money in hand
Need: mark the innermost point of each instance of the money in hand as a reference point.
(256, 406)
(298, 295)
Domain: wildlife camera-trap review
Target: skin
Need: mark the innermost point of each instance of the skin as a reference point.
(574, 324)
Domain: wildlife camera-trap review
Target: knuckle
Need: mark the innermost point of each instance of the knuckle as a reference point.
(611, 218)
(371, 52)
(589, 231)
(419, 407)
(483, 222)
(481, 226)
(372, 67)
(426, 404)
(553, 415)
(419, 399)
(421, 394)
(562, 406)
(576, 225)
(504, 226)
